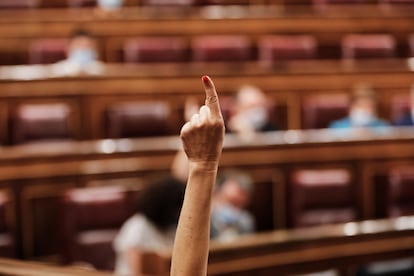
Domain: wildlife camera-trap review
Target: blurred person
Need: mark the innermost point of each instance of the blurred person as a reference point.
(229, 217)
(82, 56)
(202, 139)
(152, 228)
(251, 112)
(231, 196)
(408, 118)
(110, 5)
(362, 111)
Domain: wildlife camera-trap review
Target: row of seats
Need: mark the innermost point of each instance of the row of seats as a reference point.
(270, 48)
(34, 122)
(12, 4)
(7, 227)
(329, 196)
(315, 196)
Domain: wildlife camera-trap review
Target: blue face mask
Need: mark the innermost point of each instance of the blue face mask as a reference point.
(82, 57)
(110, 4)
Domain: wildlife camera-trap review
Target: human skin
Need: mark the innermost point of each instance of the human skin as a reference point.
(202, 139)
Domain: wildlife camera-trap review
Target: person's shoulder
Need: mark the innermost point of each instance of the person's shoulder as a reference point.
(341, 123)
(406, 120)
(381, 123)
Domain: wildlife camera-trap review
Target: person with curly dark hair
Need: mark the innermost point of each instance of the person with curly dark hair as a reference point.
(152, 228)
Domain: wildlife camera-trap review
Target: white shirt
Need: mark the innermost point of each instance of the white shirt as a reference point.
(138, 232)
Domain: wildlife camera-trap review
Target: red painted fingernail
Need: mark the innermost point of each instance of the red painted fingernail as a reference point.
(205, 80)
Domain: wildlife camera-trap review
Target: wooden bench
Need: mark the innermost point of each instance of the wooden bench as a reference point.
(19, 28)
(37, 175)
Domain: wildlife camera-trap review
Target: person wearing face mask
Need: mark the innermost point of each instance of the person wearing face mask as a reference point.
(362, 112)
(110, 5)
(408, 118)
(229, 217)
(82, 56)
(251, 112)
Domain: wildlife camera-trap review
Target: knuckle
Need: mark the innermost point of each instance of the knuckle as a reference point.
(211, 99)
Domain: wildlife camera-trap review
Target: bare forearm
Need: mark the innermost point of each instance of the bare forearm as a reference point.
(192, 241)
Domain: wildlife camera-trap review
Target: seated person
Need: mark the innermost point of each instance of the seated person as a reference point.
(362, 111)
(110, 5)
(408, 118)
(82, 56)
(231, 196)
(152, 228)
(251, 112)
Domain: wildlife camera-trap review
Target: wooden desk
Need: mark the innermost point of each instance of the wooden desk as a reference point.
(19, 28)
(11, 267)
(344, 247)
(37, 175)
(288, 85)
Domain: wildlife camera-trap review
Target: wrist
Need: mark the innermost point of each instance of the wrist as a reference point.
(203, 166)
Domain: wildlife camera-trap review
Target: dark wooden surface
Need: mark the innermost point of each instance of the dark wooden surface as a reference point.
(37, 175)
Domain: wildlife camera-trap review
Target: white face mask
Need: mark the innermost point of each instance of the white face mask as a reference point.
(110, 4)
(361, 117)
(82, 57)
(256, 117)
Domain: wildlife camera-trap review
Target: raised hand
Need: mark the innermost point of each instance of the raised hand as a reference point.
(203, 135)
(202, 138)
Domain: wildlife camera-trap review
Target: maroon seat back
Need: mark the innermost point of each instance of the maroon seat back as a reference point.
(221, 48)
(155, 49)
(18, 4)
(400, 107)
(138, 119)
(320, 110)
(274, 48)
(365, 46)
(7, 235)
(36, 122)
(401, 192)
(322, 4)
(91, 218)
(321, 196)
(81, 3)
(411, 43)
(47, 50)
(167, 3)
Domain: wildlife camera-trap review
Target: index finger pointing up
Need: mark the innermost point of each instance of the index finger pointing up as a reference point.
(212, 100)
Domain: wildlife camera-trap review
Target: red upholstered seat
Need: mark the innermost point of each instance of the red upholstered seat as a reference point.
(361, 46)
(36, 122)
(138, 119)
(155, 49)
(7, 235)
(401, 192)
(168, 2)
(321, 196)
(320, 4)
(320, 110)
(400, 107)
(82, 3)
(47, 50)
(18, 4)
(397, 2)
(221, 48)
(91, 219)
(411, 44)
(273, 48)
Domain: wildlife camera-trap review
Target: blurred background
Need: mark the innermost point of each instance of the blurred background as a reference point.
(318, 102)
